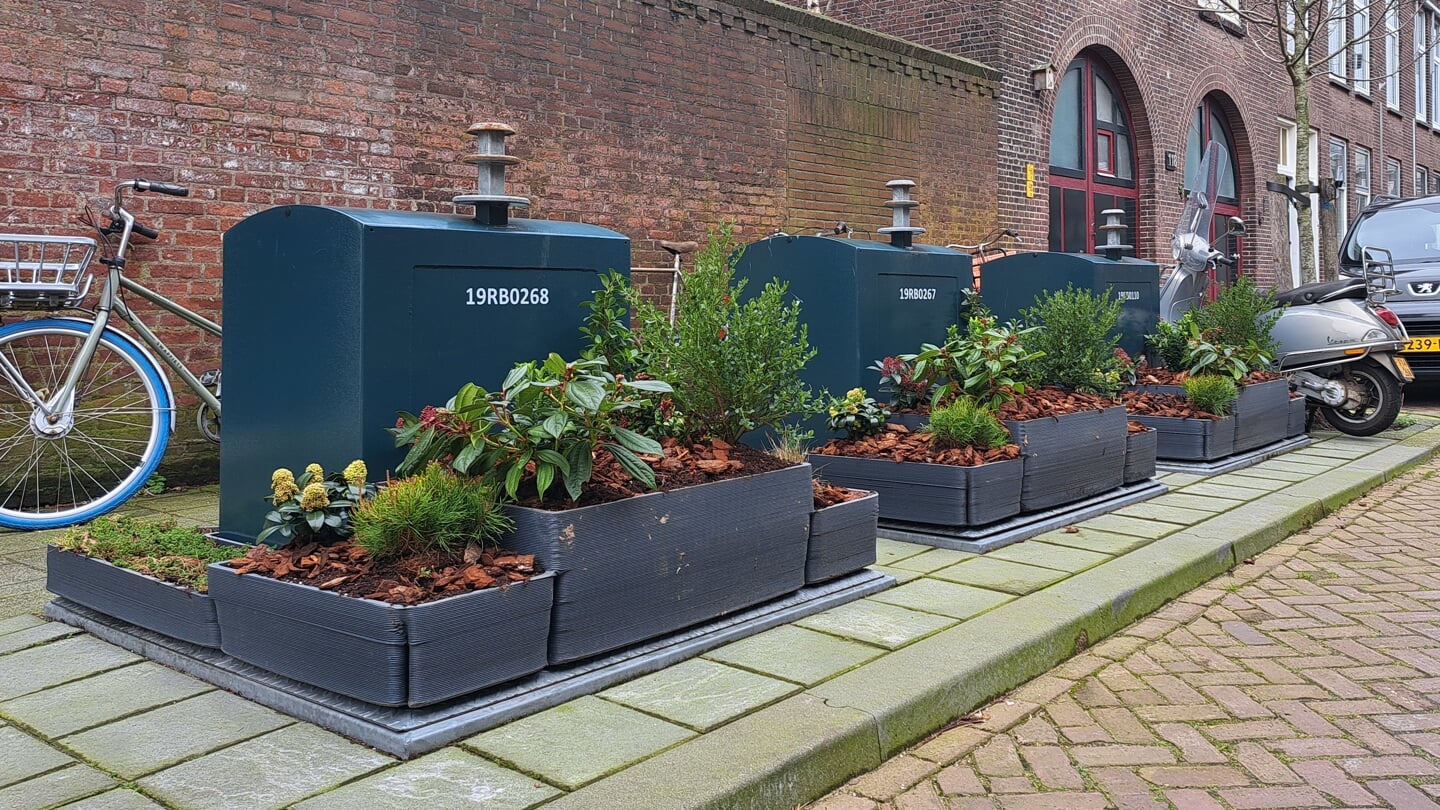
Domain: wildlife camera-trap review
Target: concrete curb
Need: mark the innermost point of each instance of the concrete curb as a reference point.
(796, 750)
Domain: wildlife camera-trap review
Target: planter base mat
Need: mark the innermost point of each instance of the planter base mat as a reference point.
(407, 733)
(1234, 462)
(980, 539)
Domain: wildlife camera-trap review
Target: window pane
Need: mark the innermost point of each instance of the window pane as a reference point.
(1124, 165)
(1066, 127)
(1073, 202)
(1103, 162)
(1104, 102)
(1217, 134)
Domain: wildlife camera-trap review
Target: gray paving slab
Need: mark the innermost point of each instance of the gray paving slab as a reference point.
(449, 779)
(560, 746)
(932, 560)
(1001, 575)
(900, 574)
(876, 623)
(117, 799)
(700, 694)
(1165, 512)
(1137, 527)
(1237, 488)
(796, 654)
(152, 740)
(15, 624)
(55, 788)
(67, 659)
(945, 598)
(1088, 539)
(79, 705)
(30, 603)
(1200, 503)
(888, 551)
(26, 757)
(266, 773)
(1046, 555)
(32, 636)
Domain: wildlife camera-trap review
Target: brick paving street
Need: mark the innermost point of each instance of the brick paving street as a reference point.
(1308, 678)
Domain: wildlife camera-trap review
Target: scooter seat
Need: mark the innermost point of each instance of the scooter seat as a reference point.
(1322, 291)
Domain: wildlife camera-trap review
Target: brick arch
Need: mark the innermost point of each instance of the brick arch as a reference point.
(1217, 86)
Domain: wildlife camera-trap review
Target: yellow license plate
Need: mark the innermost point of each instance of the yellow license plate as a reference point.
(1404, 366)
(1427, 343)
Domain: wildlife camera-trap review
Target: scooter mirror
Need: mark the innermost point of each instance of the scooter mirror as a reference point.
(1237, 227)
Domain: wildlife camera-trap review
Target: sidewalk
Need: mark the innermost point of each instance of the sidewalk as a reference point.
(1305, 678)
(771, 721)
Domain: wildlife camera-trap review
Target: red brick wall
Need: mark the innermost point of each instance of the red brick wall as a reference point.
(1168, 59)
(656, 118)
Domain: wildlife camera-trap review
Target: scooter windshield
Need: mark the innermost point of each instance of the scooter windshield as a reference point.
(1190, 246)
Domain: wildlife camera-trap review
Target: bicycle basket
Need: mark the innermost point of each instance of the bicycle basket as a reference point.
(44, 272)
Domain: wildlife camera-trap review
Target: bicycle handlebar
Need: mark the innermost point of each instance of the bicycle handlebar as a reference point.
(162, 188)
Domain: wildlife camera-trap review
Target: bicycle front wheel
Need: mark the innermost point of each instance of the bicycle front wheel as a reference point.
(90, 457)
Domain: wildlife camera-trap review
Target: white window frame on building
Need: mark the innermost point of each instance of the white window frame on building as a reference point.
(1335, 40)
(1422, 179)
(1421, 69)
(1360, 52)
(1339, 151)
(1392, 177)
(1392, 56)
(1362, 177)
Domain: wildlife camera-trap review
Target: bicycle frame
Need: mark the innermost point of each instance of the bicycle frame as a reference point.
(57, 403)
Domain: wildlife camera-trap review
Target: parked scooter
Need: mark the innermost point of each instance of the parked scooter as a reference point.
(1338, 343)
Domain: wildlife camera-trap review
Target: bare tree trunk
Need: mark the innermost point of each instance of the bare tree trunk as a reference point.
(1329, 216)
(1299, 81)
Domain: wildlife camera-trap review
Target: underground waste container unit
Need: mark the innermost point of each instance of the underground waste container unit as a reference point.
(337, 318)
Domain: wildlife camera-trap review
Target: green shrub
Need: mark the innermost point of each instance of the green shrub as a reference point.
(1203, 356)
(966, 423)
(434, 510)
(1075, 340)
(1211, 393)
(160, 548)
(734, 361)
(611, 338)
(985, 363)
(1168, 344)
(1240, 316)
(857, 415)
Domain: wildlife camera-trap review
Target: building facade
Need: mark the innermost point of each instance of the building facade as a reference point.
(1106, 104)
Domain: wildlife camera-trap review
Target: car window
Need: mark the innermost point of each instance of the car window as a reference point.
(1410, 233)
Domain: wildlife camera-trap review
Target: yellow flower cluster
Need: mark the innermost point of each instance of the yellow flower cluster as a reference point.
(282, 485)
(356, 473)
(317, 473)
(314, 498)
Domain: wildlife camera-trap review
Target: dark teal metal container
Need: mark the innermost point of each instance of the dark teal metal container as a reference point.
(336, 318)
(1012, 283)
(862, 300)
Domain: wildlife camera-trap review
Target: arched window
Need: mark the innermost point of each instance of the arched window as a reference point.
(1092, 156)
(1208, 124)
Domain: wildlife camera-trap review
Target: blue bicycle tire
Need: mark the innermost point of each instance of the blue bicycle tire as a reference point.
(129, 470)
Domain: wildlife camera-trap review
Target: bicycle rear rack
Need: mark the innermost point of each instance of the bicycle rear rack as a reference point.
(44, 272)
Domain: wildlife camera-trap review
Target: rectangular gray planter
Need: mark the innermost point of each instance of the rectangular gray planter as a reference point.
(842, 538)
(132, 597)
(388, 655)
(1180, 439)
(1070, 457)
(1295, 424)
(938, 494)
(1140, 453)
(634, 569)
(1262, 414)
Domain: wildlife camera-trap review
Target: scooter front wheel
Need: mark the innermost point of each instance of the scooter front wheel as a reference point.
(1381, 401)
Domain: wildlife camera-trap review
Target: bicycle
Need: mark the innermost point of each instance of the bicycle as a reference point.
(85, 411)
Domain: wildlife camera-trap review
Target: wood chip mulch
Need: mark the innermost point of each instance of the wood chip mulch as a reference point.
(1162, 405)
(899, 443)
(347, 569)
(828, 494)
